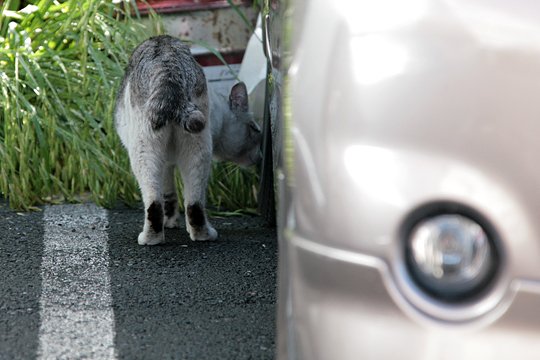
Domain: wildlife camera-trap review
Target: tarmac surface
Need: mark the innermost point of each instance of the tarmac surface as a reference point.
(77, 285)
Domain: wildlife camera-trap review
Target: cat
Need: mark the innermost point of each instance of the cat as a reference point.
(166, 118)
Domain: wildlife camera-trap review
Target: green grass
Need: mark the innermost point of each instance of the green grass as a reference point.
(60, 66)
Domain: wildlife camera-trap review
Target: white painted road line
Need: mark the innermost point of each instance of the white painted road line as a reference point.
(77, 319)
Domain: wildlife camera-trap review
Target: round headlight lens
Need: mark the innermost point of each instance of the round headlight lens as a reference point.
(450, 256)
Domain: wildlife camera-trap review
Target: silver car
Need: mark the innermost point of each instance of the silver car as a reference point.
(409, 195)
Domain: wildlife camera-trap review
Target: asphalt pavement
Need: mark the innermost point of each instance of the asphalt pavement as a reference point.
(77, 285)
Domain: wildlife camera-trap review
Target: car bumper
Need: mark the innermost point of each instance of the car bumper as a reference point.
(345, 305)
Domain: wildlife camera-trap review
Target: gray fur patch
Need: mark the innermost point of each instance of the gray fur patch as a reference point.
(164, 81)
(170, 205)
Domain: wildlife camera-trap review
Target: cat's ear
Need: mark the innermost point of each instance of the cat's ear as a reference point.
(238, 99)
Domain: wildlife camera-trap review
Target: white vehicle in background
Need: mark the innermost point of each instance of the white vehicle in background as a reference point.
(409, 202)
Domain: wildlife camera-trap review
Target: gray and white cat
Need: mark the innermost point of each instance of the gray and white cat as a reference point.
(166, 119)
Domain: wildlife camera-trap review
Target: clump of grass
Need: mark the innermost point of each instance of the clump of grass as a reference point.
(60, 66)
(233, 188)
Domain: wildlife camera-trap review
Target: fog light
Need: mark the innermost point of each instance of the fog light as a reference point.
(450, 257)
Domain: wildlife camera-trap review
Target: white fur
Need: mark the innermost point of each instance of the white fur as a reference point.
(154, 154)
(230, 134)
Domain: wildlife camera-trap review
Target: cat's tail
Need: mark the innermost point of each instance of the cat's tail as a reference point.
(168, 103)
(194, 120)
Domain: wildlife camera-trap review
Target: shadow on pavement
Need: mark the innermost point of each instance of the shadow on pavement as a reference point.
(193, 300)
(21, 249)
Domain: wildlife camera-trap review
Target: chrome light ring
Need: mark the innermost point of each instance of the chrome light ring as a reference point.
(451, 252)
(485, 286)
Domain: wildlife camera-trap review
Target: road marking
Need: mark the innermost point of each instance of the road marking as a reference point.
(77, 319)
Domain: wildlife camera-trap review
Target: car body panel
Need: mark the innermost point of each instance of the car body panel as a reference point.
(395, 106)
(345, 311)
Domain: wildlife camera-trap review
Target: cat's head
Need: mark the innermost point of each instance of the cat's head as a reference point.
(241, 136)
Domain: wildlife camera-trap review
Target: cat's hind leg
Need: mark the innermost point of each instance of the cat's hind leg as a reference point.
(195, 164)
(170, 198)
(147, 161)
